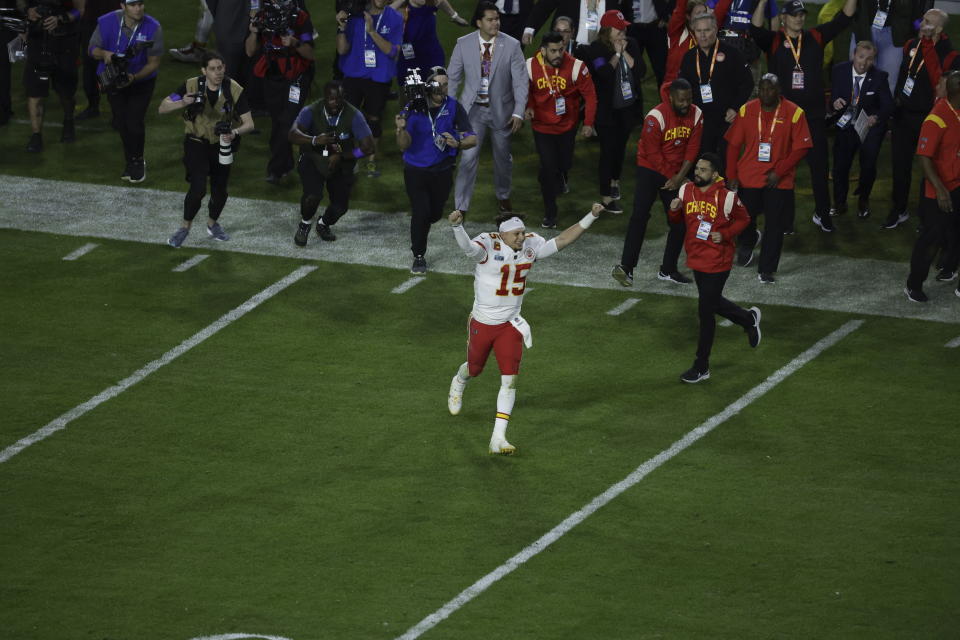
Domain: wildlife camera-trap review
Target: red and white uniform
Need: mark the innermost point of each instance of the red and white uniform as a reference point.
(499, 285)
(556, 89)
(667, 140)
(716, 209)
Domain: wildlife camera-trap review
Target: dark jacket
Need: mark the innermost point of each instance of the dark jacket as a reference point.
(900, 17)
(875, 97)
(921, 98)
(605, 81)
(731, 82)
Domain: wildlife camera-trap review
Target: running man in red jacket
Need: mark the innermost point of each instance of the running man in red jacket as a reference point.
(714, 217)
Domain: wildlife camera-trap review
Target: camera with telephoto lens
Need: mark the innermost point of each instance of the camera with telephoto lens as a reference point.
(224, 128)
(114, 75)
(417, 92)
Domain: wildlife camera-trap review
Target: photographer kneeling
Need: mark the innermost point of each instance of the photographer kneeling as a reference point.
(53, 44)
(128, 43)
(216, 113)
(431, 130)
(333, 135)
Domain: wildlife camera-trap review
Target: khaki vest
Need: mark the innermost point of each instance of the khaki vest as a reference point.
(203, 125)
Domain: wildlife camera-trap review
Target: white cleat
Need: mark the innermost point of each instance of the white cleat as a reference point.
(455, 399)
(502, 447)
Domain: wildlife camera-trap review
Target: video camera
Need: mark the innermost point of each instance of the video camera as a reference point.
(114, 75)
(417, 91)
(12, 20)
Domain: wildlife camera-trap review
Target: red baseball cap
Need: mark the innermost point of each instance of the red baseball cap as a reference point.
(614, 18)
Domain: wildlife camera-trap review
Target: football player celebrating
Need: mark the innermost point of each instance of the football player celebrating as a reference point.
(503, 262)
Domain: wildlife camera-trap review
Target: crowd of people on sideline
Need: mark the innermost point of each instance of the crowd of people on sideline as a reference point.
(890, 76)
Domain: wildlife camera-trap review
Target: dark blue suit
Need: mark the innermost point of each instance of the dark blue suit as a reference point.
(875, 99)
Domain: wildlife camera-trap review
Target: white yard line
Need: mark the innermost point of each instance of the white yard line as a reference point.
(953, 344)
(409, 284)
(192, 262)
(635, 477)
(111, 392)
(624, 306)
(82, 251)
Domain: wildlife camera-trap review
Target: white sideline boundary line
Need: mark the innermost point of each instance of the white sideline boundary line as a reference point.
(409, 284)
(635, 477)
(953, 344)
(626, 305)
(82, 251)
(111, 392)
(192, 262)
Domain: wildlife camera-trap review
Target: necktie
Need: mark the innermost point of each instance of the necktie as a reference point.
(487, 58)
(856, 88)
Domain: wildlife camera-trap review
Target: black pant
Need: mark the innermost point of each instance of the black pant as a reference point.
(613, 138)
(339, 183)
(845, 146)
(646, 192)
(711, 302)
(819, 167)
(712, 140)
(778, 207)
(6, 108)
(89, 71)
(428, 192)
(556, 154)
(276, 95)
(202, 160)
(936, 228)
(906, 133)
(129, 106)
(652, 37)
(512, 23)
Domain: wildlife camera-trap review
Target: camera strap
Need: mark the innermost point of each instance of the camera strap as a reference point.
(133, 36)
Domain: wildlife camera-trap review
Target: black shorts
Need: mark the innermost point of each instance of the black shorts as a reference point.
(59, 68)
(365, 94)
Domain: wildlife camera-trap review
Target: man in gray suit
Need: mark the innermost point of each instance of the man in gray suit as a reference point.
(490, 65)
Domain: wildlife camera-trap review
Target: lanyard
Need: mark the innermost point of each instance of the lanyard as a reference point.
(956, 115)
(368, 37)
(716, 47)
(327, 116)
(555, 73)
(433, 123)
(795, 50)
(913, 54)
(773, 122)
(120, 34)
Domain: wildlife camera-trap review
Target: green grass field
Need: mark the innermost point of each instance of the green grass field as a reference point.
(296, 475)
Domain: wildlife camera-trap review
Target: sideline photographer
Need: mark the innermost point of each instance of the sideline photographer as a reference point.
(283, 35)
(128, 43)
(215, 114)
(333, 135)
(53, 47)
(431, 130)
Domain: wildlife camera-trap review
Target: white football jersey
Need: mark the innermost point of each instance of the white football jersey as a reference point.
(501, 278)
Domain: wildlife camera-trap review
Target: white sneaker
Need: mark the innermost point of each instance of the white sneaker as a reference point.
(502, 447)
(455, 398)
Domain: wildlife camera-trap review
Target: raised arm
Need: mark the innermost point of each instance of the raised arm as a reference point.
(570, 234)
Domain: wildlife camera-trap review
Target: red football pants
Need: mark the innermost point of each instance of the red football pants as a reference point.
(505, 341)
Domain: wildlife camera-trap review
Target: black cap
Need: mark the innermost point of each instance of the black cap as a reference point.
(794, 7)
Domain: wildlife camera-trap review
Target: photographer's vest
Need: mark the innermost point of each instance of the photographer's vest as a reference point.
(203, 125)
(423, 152)
(112, 38)
(343, 129)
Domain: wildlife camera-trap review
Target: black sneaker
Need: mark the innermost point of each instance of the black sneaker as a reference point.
(325, 233)
(549, 223)
(273, 179)
(613, 207)
(946, 275)
(302, 235)
(621, 275)
(838, 210)
(419, 267)
(766, 278)
(694, 375)
(745, 254)
(69, 133)
(615, 191)
(36, 143)
(674, 276)
(753, 332)
(895, 219)
(126, 172)
(824, 222)
(915, 295)
(138, 170)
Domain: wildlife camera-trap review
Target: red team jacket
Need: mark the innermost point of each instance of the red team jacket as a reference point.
(668, 139)
(726, 214)
(789, 141)
(572, 81)
(940, 141)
